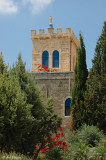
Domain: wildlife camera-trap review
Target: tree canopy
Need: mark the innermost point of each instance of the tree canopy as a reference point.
(24, 119)
(95, 98)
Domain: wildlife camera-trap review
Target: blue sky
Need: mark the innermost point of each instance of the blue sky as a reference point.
(18, 17)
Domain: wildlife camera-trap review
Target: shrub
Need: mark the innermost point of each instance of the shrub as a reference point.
(53, 147)
(77, 151)
(89, 135)
(54, 154)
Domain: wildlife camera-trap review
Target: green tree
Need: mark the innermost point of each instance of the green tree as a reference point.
(51, 123)
(53, 120)
(3, 66)
(95, 98)
(80, 74)
(15, 114)
(24, 120)
(45, 121)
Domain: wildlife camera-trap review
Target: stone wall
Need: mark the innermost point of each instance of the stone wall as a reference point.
(59, 86)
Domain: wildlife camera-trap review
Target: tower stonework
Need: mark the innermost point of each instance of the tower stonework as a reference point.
(56, 84)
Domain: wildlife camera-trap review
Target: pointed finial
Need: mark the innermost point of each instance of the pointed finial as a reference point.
(50, 18)
(50, 24)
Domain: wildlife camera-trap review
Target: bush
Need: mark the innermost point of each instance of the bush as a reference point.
(54, 154)
(88, 142)
(53, 148)
(77, 151)
(89, 135)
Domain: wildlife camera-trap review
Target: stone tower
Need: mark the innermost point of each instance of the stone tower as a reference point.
(57, 51)
(65, 43)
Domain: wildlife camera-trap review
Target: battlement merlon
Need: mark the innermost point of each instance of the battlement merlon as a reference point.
(59, 34)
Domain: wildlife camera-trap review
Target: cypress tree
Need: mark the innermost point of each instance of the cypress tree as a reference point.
(80, 74)
(95, 97)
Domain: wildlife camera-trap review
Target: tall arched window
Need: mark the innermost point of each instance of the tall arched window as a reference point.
(45, 58)
(55, 59)
(67, 107)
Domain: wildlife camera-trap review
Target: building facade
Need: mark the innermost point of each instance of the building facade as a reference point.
(59, 52)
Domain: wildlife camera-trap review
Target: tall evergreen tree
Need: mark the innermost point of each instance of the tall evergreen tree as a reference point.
(42, 124)
(80, 74)
(3, 66)
(24, 120)
(95, 98)
(15, 114)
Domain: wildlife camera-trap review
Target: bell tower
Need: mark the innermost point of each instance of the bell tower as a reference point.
(59, 50)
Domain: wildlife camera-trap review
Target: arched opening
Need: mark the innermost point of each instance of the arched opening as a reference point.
(55, 59)
(45, 58)
(67, 107)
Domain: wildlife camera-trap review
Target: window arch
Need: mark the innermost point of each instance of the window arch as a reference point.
(45, 58)
(55, 59)
(67, 107)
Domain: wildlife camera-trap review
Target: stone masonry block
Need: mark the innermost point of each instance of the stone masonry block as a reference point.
(41, 31)
(59, 30)
(50, 30)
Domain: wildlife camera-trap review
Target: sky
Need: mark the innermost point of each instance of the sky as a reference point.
(19, 17)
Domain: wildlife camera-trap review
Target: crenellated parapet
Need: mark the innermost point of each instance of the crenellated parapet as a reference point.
(57, 50)
(59, 34)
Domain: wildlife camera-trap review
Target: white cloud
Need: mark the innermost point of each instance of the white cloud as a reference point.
(8, 7)
(37, 5)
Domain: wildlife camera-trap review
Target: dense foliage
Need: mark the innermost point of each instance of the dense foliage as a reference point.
(88, 142)
(89, 135)
(23, 116)
(79, 88)
(54, 146)
(89, 95)
(95, 98)
(15, 114)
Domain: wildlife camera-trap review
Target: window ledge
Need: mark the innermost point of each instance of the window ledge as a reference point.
(67, 116)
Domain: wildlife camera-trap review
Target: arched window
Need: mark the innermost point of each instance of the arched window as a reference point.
(55, 59)
(67, 107)
(45, 59)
